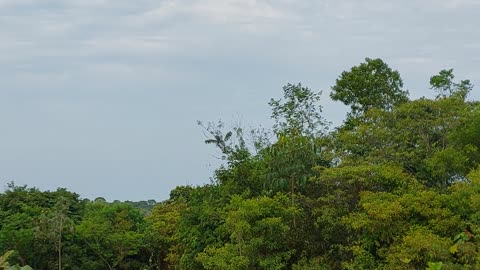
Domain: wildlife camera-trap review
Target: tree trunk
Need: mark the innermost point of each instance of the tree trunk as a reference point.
(292, 195)
(60, 245)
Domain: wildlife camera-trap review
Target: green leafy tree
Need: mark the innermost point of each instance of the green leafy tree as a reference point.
(231, 143)
(416, 228)
(200, 224)
(298, 113)
(421, 135)
(112, 232)
(290, 161)
(443, 84)
(54, 225)
(22, 212)
(161, 235)
(299, 127)
(258, 231)
(372, 84)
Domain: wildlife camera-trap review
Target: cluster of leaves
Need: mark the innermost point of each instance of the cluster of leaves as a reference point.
(396, 186)
(5, 265)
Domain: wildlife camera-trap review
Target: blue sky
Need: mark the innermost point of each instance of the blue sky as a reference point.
(102, 96)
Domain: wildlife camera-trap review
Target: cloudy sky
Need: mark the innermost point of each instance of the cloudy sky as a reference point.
(102, 96)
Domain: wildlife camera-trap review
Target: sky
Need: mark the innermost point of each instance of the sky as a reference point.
(102, 96)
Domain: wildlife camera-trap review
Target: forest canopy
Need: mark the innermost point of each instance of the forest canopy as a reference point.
(395, 186)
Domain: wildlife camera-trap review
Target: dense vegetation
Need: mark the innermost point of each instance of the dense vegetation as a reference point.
(396, 186)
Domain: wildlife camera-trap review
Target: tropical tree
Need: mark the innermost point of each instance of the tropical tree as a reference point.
(112, 232)
(443, 84)
(372, 84)
(258, 230)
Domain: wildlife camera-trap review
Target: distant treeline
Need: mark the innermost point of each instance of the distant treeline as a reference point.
(396, 186)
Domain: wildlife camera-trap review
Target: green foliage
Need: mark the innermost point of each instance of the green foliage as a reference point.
(417, 248)
(53, 227)
(313, 264)
(372, 84)
(160, 233)
(112, 232)
(4, 265)
(435, 266)
(397, 186)
(299, 113)
(443, 84)
(26, 213)
(258, 232)
(290, 161)
(231, 143)
(426, 137)
(201, 224)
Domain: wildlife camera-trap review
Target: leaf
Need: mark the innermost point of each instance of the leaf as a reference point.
(435, 266)
(4, 257)
(453, 249)
(17, 267)
(228, 136)
(461, 237)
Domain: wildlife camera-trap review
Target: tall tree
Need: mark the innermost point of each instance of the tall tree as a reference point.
(298, 125)
(299, 113)
(258, 230)
(444, 85)
(372, 84)
(112, 232)
(53, 226)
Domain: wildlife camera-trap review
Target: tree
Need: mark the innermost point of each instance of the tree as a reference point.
(298, 125)
(26, 213)
(443, 84)
(372, 84)
(434, 140)
(299, 113)
(231, 143)
(290, 161)
(160, 234)
(201, 223)
(258, 230)
(54, 225)
(112, 232)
